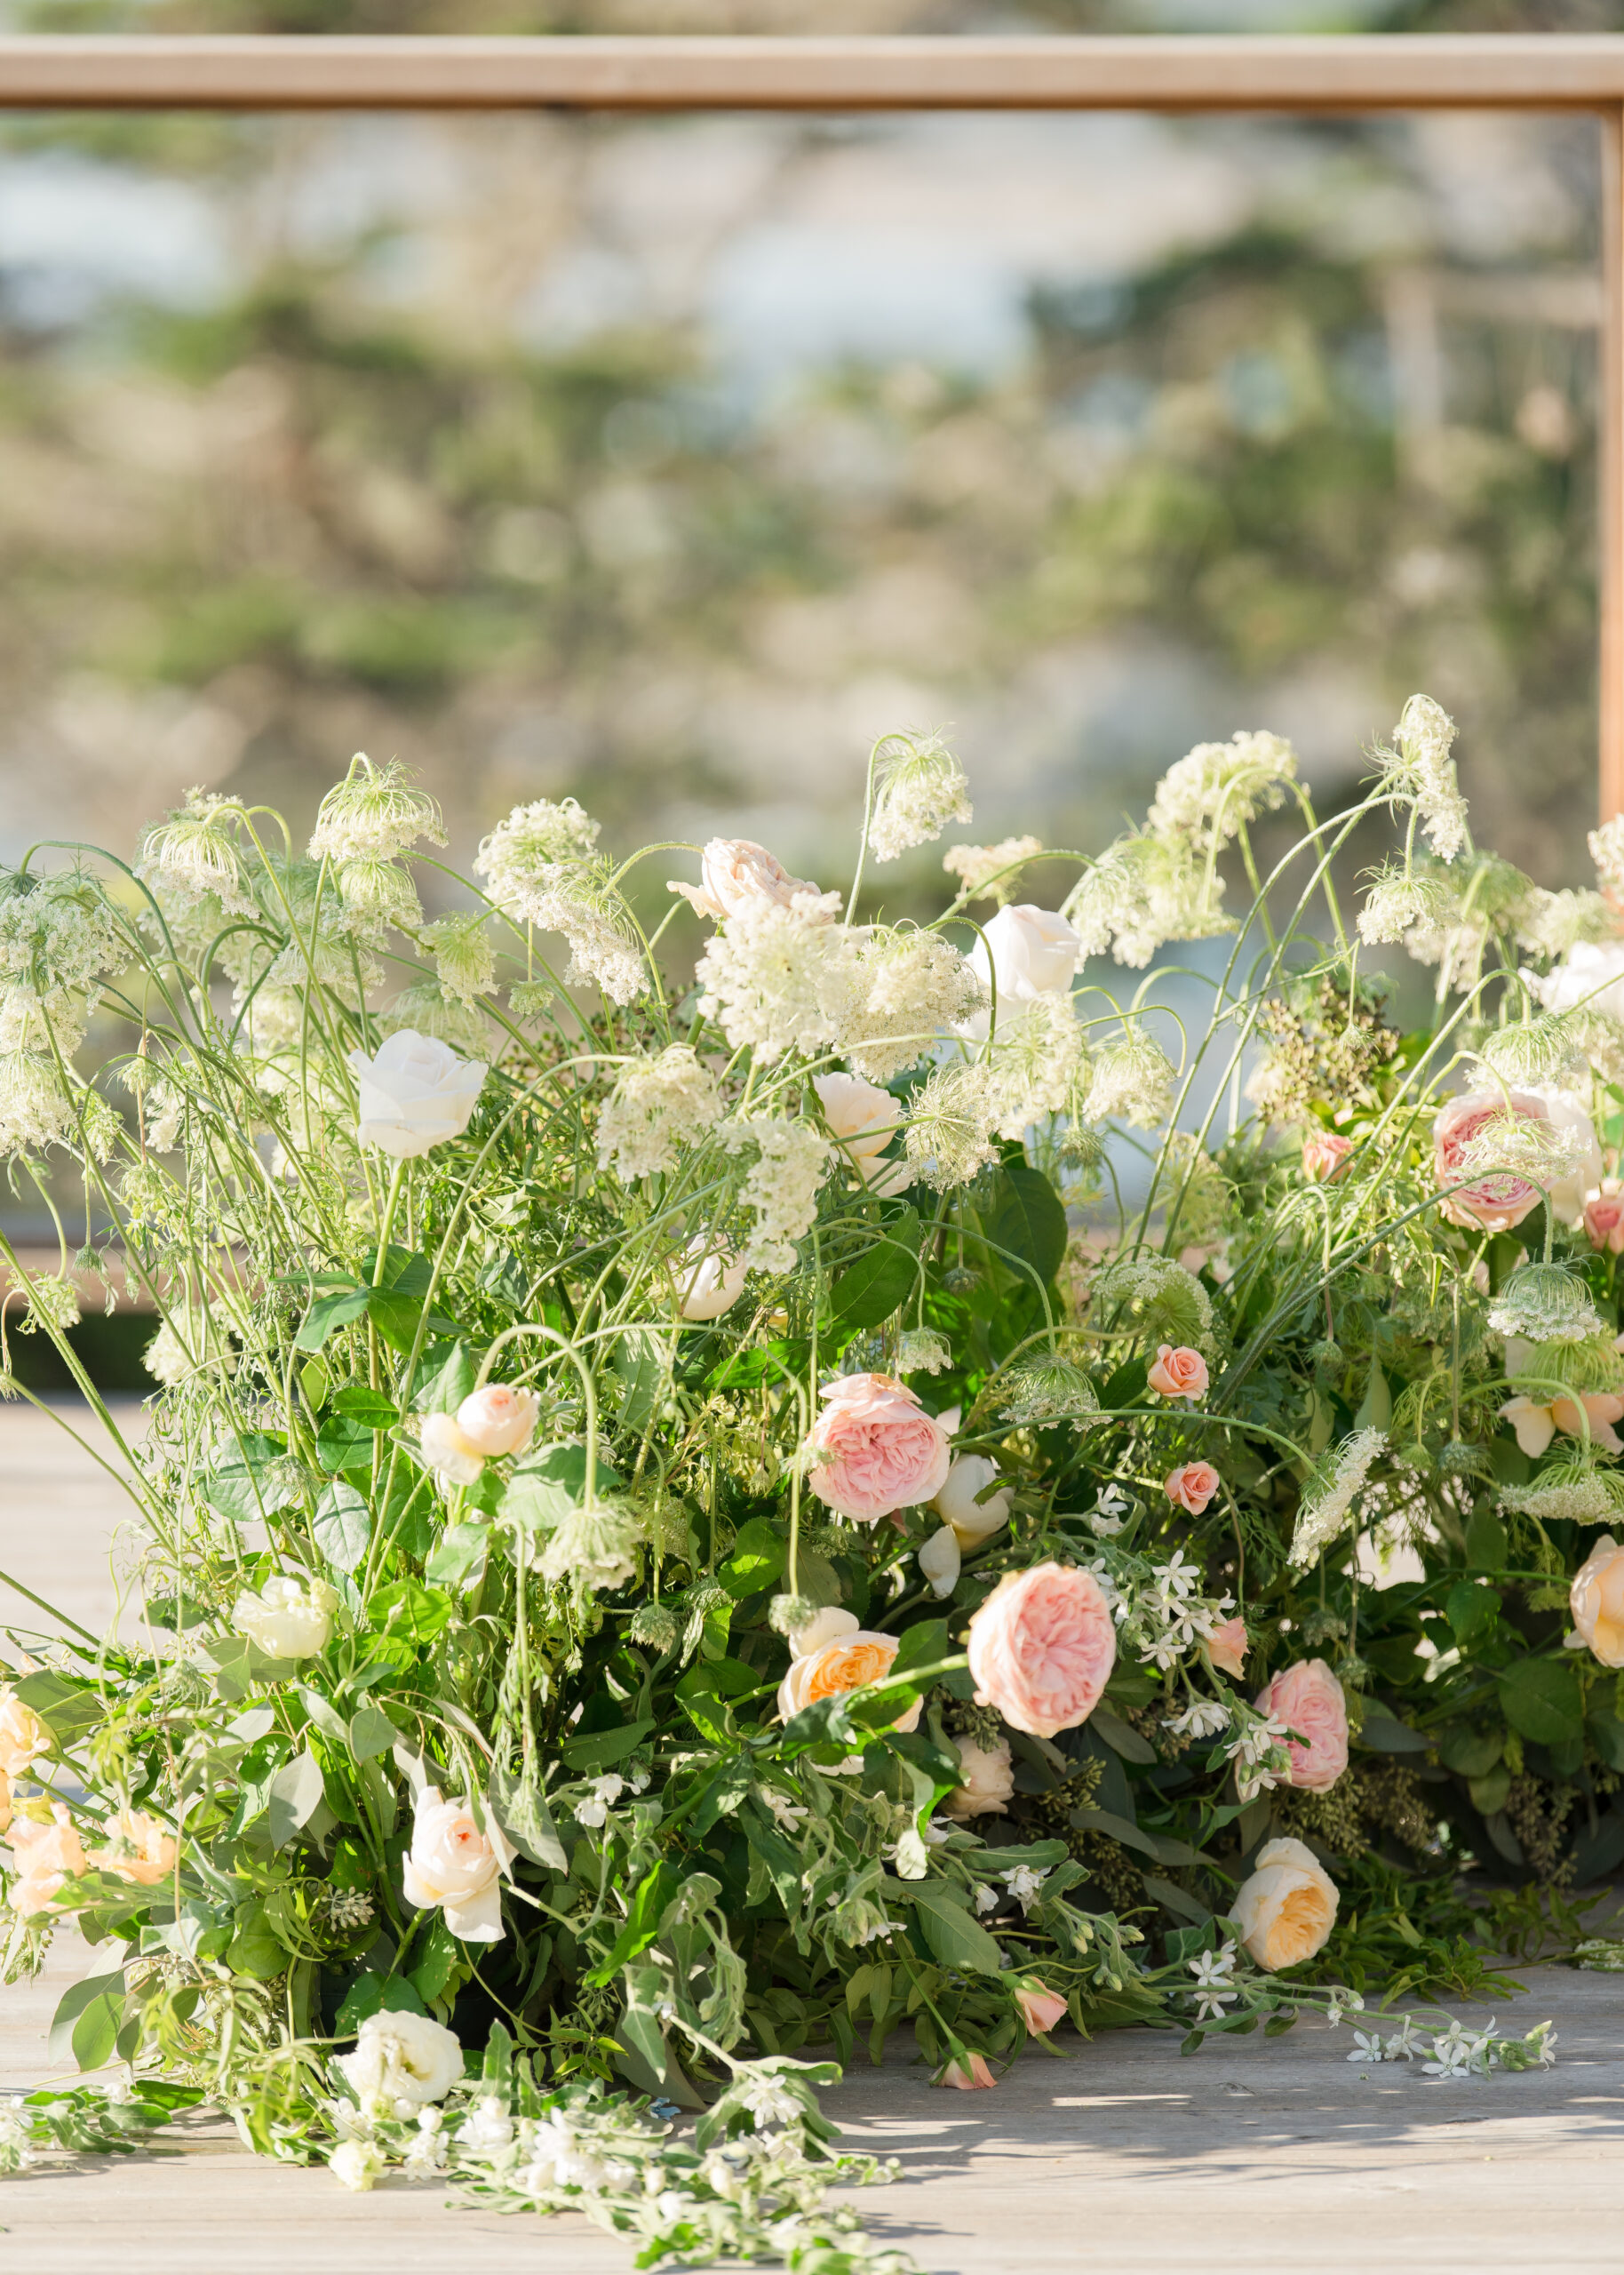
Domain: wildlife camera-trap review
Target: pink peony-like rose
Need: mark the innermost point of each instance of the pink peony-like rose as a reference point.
(1308, 1698)
(138, 1848)
(739, 874)
(1324, 1154)
(971, 2078)
(1500, 1199)
(1604, 1221)
(47, 1855)
(1226, 1648)
(1178, 1374)
(880, 1449)
(1042, 1647)
(1191, 1486)
(498, 1419)
(1040, 2007)
(1598, 1600)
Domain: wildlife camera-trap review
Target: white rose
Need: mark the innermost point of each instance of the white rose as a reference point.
(415, 1093)
(404, 2060)
(740, 874)
(864, 1118)
(453, 1455)
(972, 1522)
(708, 1282)
(288, 1619)
(358, 2164)
(940, 1560)
(1030, 951)
(498, 1419)
(1592, 973)
(1287, 1908)
(1567, 1113)
(451, 1862)
(988, 1773)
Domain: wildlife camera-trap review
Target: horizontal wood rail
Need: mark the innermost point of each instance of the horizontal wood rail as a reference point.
(1501, 72)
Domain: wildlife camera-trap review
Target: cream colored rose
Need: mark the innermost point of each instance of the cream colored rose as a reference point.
(1597, 1598)
(498, 1419)
(740, 874)
(288, 1618)
(402, 2062)
(988, 1786)
(453, 1863)
(833, 1654)
(138, 1848)
(1287, 1908)
(1030, 951)
(453, 1455)
(941, 1560)
(862, 1119)
(972, 1521)
(709, 1281)
(23, 1736)
(415, 1093)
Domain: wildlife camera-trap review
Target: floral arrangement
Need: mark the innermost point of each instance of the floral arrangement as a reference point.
(690, 1518)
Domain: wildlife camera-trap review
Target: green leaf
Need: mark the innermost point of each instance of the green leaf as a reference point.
(1607, 1732)
(297, 1792)
(343, 1443)
(1182, 1905)
(1120, 1737)
(922, 1645)
(548, 1484)
(872, 1287)
(641, 1364)
(603, 1749)
(370, 1732)
(256, 1949)
(101, 1993)
(520, 1803)
(1486, 1548)
(343, 1526)
(439, 1956)
(655, 1891)
(67, 1709)
(1470, 1753)
(1542, 1699)
(446, 1378)
(455, 1556)
(1471, 1609)
(369, 1407)
(756, 1561)
(328, 1314)
(395, 1308)
(1385, 1734)
(1027, 1218)
(1118, 1828)
(326, 1717)
(1376, 1408)
(410, 1610)
(953, 1936)
(376, 1994)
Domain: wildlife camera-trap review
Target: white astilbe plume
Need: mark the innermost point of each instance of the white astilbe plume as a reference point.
(527, 858)
(920, 788)
(902, 989)
(1421, 771)
(1555, 923)
(1330, 1494)
(779, 979)
(465, 964)
(1208, 796)
(1607, 852)
(373, 815)
(991, 872)
(658, 1106)
(780, 1186)
(1132, 1080)
(1144, 890)
(193, 855)
(948, 1136)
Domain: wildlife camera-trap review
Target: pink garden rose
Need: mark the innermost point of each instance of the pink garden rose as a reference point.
(1178, 1374)
(1499, 1200)
(1308, 1698)
(740, 874)
(1191, 1486)
(1604, 1221)
(970, 2080)
(1040, 2007)
(1597, 1598)
(498, 1419)
(47, 1855)
(1042, 1647)
(1226, 1648)
(881, 1451)
(1324, 1154)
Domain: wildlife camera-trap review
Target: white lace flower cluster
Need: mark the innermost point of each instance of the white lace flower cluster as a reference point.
(542, 868)
(1421, 772)
(991, 872)
(1330, 1496)
(57, 940)
(1210, 795)
(900, 989)
(920, 788)
(658, 1107)
(777, 975)
(780, 1187)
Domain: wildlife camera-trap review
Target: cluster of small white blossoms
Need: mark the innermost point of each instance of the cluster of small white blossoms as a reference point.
(57, 940)
(1157, 1606)
(658, 1107)
(1421, 772)
(1023, 1882)
(1214, 1987)
(780, 1186)
(1457, 2053)
(991, 872)
(592, 1811)
(362, 827)
(1259, 1750)
(1131, 1080)
(1325, 1506)
(921, 787)
(543, 869)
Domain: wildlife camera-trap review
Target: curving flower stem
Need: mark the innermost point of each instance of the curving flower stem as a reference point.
(386, 1224)
(589, 1489)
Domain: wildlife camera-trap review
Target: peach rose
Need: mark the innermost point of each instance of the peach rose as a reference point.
(1040, 2007)
(138, 1848)
(1178, 1374)
(862, 1119)
(47, 1854)
(498, 1419)
(453, 1863)
(1226, 1648)
(5, 1801)
(831, 1654)
(881, 1451)
(1191, 1486)
(1287, 1908)
(23, 1736)
(739, 874)
(1042, 1647)
(1308, 1698)
(1536, 1421)
(1597, 1598)
(970, 2079)
(1500, 1199)
(1604, 1221)
(1324, 1154)
(987, 1786)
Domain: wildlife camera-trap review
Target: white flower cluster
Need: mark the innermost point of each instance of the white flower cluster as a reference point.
(777, 979)
(1456, 2052)
(57, 939)
(658, 1107)
(373, 815)
(1607, 852)
(1159, 1607)
(991, 872)
(1545, 1303)
(921, 787)
(1328, 1500)
(1131, 1080)
(780, 1186)
(192, 855)
(1168, 1304)
(1401, 902)
(542, 869)
(1143, 890)
(1258, 1752)
(1211, 794)
(901, 990)
(1421, 771)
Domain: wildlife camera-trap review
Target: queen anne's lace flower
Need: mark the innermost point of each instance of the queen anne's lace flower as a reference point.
(464, 961)
(1422, 772)
(193, 855)
(991, 872)
(1545, 1303)
(522, 857)
(658, 1106)
(902, 989)
(778, 979)
(35, 1110)
(1168, 1304)
(1324, 1512)
(373, 815)
(1131, 1081)
(949, 1132)
(1555, 923)
(920, 788)
(1208, 796)
(1143, 890)
(1401, 901)
(377, 895)
(781, 1185)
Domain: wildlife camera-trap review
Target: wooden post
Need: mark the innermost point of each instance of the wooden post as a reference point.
(1610, 456)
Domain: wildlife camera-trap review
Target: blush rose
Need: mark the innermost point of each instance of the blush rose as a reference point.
(1041, 1648)
(1180, 1373)
(879, 1450)
(1226, 1648)
(740, 874)
(1324, 1156)
(1309, 1699)
(1597, 1600)
(453, 1864)
(1191, 1486)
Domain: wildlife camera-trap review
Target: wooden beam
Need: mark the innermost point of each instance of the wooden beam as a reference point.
(1514, 72)
(1609, 455)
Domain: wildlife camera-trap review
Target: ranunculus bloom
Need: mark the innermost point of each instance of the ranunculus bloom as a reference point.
(23, 1736)
(1030, 951)
(1042, 1647)
(833, 1654)
(972, 1521)
(1308, 1698)
(881, 1451)
(740, 874)
(454, 1459)
(403, 2060)
(1323, 1156)
(1604, 1220)
(987, 1786)
(451, 1862)
(1191, 1486)
(1287, 1908)
(1498, 1201)
(1040, 2007)
(1226, 1648)
(862, 1119)
(1536, 1421)
(415, 1093)
(288, 1618)
(47, 1854)
(1180, 1373)
(1597, 1598)
(970, 2080)
(708, 1282)
(498, 1419)
(138, 1848)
